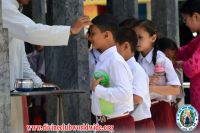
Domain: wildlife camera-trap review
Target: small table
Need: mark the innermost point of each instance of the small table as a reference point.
(57, 93)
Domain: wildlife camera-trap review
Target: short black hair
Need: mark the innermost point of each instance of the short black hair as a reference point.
(166, 43)
(128, 23)
(127, 35)
(106, 22)
(190, 7)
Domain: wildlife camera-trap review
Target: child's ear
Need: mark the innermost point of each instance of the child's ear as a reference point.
(126, 45)
(196, 16)
(106, 34)
(154, 37)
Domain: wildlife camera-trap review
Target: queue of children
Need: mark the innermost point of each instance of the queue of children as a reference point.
(143, 81)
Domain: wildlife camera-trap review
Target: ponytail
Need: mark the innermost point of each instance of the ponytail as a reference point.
(156, 48)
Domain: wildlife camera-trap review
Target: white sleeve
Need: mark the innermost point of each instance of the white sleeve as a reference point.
(29, 73)
(171, 75)
(140, 83)
(122, 86)
(23, 28)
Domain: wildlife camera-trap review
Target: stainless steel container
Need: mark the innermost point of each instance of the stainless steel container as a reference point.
(24, 83)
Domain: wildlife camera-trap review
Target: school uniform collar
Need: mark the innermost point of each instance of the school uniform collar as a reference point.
(131, 60)
(148, 57)
(15, 2)
(107, 53)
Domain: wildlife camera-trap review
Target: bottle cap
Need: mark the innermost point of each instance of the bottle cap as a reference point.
(159, 68)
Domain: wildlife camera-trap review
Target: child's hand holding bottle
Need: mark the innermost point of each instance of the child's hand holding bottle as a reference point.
(153, 80)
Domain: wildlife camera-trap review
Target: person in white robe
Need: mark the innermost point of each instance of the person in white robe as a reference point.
(20, 29)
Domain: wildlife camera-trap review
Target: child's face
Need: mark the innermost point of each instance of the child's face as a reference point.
(192, 22)
(96, 37)
(124, 50)
(145, 41)
(171, 54)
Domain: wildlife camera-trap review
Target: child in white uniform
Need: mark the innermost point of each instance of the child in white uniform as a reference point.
(119, 93)
(126, 46)
(170, 48)
(149, 56)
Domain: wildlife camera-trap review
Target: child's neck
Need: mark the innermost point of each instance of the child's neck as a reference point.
(130, 56)
(144, 53)
(107, 46)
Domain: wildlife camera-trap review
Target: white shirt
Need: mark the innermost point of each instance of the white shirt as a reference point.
(140, 88)
(22, 28)
(120, 91)
(148, 66)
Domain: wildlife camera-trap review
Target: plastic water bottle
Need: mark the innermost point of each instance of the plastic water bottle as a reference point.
(107, 108)
(159, 72)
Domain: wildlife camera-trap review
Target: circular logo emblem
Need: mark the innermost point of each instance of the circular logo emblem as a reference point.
(187, 118)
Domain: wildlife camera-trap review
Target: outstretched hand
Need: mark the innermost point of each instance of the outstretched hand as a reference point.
(80, 23)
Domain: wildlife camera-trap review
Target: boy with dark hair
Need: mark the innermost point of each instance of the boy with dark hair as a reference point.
(128, 23)
(126, 46)
(119, 92)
